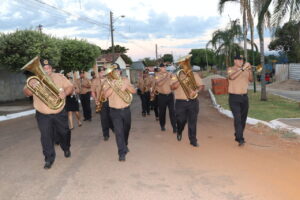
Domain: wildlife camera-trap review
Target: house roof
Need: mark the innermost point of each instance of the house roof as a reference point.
(138, 65)
(108, 58)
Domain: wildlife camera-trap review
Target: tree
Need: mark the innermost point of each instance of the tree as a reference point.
(149, 61)
(245, 6)
(226, 42)
(18, 48)
(127, 59)
(118, 49)
(284, 8)
(287, 41)
(77, 55)
(203, 57)
(167, 58)
(262, 8)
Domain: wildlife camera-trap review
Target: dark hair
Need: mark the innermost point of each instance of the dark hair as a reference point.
(117, 66)
(162, 65)
(156, 69)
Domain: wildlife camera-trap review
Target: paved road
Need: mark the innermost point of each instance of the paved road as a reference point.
(157, 167)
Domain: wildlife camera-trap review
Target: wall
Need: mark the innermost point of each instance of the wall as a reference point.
(287, 71)
(11, 85)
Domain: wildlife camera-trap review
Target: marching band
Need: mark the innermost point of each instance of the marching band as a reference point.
(112, 94)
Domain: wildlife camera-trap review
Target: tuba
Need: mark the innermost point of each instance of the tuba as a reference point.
(45, 89)
(111, 74)
(187, 83)
(101, 99)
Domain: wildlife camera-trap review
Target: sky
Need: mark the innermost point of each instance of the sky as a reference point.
(175, 26)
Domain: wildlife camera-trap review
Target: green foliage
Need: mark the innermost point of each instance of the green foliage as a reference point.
(118, 49)
(18, 48)
(203, 57)
(149, 62)
(77, 55)
(287, 40)
(167, 58)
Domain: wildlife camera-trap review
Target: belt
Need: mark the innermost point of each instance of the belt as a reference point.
(120, 108)
(185, 100)
(165, 94)
(241, 95)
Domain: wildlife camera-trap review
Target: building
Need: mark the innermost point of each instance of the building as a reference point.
(107, 59)
(136, 70)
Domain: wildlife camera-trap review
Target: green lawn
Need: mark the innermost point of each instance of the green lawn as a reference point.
(276, 107)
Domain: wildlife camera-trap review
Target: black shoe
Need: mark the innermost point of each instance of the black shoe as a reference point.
(195, 144)
(106, 138)
(48, 164)
(67, 153)
(57, 143)
(179, 136)
(163, 129)
(90, 119)
(127, 150)
(144, 114)
(175, 130)
(122, 158)
(148, 113)
(241, 143)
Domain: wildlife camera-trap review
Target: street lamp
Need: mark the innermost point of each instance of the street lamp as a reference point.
(112, 34)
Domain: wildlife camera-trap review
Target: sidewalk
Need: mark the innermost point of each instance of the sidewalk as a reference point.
(15, 109)
(294, 95)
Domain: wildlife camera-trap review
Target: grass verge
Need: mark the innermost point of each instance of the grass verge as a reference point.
(276, 106)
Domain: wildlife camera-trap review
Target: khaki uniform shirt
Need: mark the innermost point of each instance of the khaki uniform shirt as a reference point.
(144, 84)
(114, 100)
(61, 82)
(165, 88)
(179, 93)
(240, 84)
(96, 86)
(84, 85)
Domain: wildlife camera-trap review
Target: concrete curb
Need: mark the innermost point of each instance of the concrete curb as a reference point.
(274, 124)
(16, 115)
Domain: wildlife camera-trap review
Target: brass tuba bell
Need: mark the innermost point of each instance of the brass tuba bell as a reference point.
(45, 89)
(114, 80)
(188, 82)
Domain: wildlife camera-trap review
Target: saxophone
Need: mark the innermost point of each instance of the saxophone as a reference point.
(115, 81)
(45, 90)
(188, 83)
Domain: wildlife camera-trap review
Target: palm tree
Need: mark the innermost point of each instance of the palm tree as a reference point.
(245, 6)
(262, 8)
(284, 7)
(225, 42)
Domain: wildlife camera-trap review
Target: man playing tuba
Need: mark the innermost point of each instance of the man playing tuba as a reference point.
(186, 86)
(119, 92)
(50, 119)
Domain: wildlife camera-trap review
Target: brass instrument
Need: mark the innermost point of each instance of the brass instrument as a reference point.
(101, 100)
(45, 89)
(111, 74)
(188, 83)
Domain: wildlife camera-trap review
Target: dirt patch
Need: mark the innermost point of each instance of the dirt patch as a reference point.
(291, 85)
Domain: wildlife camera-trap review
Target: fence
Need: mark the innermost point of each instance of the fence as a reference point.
(287, 71)
(11, 86)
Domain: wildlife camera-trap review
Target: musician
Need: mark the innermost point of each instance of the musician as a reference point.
(144, 85)
(98, 93)
(50, 120)
(119, 110)
(186, 108)
(153, 94)
(84, 85)
(165, 98)
(239, 77)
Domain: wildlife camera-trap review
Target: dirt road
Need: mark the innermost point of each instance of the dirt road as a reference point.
(157, 167)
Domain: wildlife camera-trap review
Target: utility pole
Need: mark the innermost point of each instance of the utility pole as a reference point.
(40, 27)
(112, 37)
(156, 52)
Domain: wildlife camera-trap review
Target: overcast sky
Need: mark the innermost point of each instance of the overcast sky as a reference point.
(176, 27)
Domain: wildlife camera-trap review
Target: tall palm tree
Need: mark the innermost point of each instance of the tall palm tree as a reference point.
(284, 8)
(225, 42)
(261, 7)
(245, 6)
